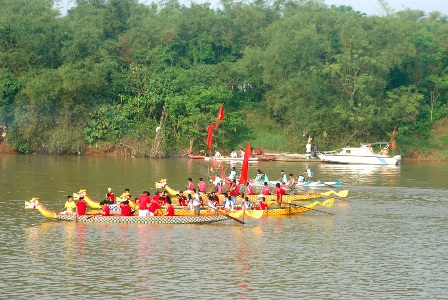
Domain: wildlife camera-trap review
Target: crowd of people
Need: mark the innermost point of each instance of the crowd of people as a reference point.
(196, 196)
(148, 206)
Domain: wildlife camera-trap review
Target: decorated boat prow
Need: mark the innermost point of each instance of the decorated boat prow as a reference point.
(35, 204)
(94, 204)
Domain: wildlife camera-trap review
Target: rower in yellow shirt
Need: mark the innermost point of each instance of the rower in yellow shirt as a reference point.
(70, 206)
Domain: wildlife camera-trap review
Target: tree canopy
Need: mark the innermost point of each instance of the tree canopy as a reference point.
(151, 78)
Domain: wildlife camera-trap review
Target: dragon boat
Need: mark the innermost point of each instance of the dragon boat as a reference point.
(304, 196)
(34, 203)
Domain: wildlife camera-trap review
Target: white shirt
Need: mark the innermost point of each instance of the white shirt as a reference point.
(308, 147)
(196, 200)
(228, 204)
(217, 180)
(233, 154)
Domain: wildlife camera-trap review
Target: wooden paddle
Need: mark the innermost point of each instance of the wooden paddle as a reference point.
(329, 185)
(228, 216)
(311, 209)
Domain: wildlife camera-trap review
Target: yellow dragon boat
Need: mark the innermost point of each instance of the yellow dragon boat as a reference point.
(306, 196)
(34, 203)
(182, 216)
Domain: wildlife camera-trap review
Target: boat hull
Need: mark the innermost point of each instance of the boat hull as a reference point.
(197, 157)
(187, 219)
(367, 160)
(232, 159)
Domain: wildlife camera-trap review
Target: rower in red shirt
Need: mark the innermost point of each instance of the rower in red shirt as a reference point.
(143, 201)
(156, 197)
(126, 209)
(81, 207)
(181, 198)
(169, 209)
(110, 196)
(106, 208)
(155, 205)
(263, 204)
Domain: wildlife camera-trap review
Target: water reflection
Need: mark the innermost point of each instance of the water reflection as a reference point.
(393, 231)
(362, 174)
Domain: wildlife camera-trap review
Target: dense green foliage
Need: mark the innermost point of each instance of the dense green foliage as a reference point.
(111, 72)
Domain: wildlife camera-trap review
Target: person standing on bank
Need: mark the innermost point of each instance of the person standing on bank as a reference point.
(308, 149)
(315, 150)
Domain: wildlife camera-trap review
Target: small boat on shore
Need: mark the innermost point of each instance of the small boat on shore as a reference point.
(364, 154)
(197, 157)
(232, 159)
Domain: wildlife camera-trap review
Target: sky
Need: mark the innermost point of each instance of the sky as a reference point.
(370, 7)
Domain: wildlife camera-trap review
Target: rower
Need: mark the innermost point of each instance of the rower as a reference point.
(110, 196)
(70, 206)
(106, 208)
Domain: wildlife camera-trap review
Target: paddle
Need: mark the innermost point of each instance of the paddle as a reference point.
(311, 209)
(228, 216)
(329, 185)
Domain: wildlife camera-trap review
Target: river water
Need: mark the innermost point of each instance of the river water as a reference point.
(388, 240)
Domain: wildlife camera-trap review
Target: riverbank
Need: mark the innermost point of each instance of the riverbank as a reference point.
(434, 154)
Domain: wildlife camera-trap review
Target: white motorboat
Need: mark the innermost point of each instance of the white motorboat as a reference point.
(364, 154)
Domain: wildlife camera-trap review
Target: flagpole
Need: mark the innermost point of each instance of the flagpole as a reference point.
(209, 162)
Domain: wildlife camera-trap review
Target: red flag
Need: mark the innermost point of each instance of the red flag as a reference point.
(245, 168)
(210, 136)
(220, 115)
(393, 133)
